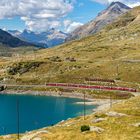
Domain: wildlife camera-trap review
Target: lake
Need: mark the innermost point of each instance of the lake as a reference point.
(36, 111)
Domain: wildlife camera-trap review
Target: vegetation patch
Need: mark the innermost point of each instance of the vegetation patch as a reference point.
(101, 115)
(85, 128)
(70, 59)
(22, 67)
(2, 88)
(55, 59)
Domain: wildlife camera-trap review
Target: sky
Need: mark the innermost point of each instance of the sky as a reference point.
(41, 15)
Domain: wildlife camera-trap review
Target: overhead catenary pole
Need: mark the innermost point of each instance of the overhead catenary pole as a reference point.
(18, 119)
(111, 97)
(84, 106)
(35, 61)
(117, 70)
(110, 100)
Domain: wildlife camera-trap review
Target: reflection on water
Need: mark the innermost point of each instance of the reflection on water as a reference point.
(36, 111)
(61, 104)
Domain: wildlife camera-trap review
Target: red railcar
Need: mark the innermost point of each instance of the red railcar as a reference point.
(90, 87)
(100, 80)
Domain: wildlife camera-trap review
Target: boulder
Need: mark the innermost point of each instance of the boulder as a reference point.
(96, 129)
(7, 136)
(115, 114)
(136, 124)
(99, 120)
(37, 138)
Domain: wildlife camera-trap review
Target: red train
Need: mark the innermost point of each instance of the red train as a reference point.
(100, 80)
(82, 86)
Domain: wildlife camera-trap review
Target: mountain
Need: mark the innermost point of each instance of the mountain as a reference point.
(11, 41)
(112, 53)
(14, 32)
(107, 16)
(49, 38)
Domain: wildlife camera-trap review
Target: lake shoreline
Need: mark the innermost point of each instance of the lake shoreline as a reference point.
(102, 104)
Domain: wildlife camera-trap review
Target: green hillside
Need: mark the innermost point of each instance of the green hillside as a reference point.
(114, 53)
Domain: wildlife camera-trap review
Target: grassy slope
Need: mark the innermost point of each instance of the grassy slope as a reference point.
(6, 51)
(115, 128)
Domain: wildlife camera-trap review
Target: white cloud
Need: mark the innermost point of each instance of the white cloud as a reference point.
(101, 1)
(37, 14)
(4, 29)
(71, 25)
(131, 3)
(67, 23)
(134, 4)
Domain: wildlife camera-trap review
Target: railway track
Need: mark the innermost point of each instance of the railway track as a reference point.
(78, 86)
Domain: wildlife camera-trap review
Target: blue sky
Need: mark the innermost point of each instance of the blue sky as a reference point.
(12, 24)
(40, 15)
(85, 10)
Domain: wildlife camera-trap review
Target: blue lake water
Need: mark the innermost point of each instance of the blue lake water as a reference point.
(36, 111)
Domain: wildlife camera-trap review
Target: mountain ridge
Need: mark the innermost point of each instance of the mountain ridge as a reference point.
(11, 41)
(107, 16)
(49, 38)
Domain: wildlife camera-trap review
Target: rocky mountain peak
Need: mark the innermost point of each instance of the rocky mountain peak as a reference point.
(117, 7)
(118, 4)
(107, 16)
(48, 38)
(7, 39)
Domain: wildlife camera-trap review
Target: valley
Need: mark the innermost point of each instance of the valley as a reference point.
(108, 55)
(104, 65)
